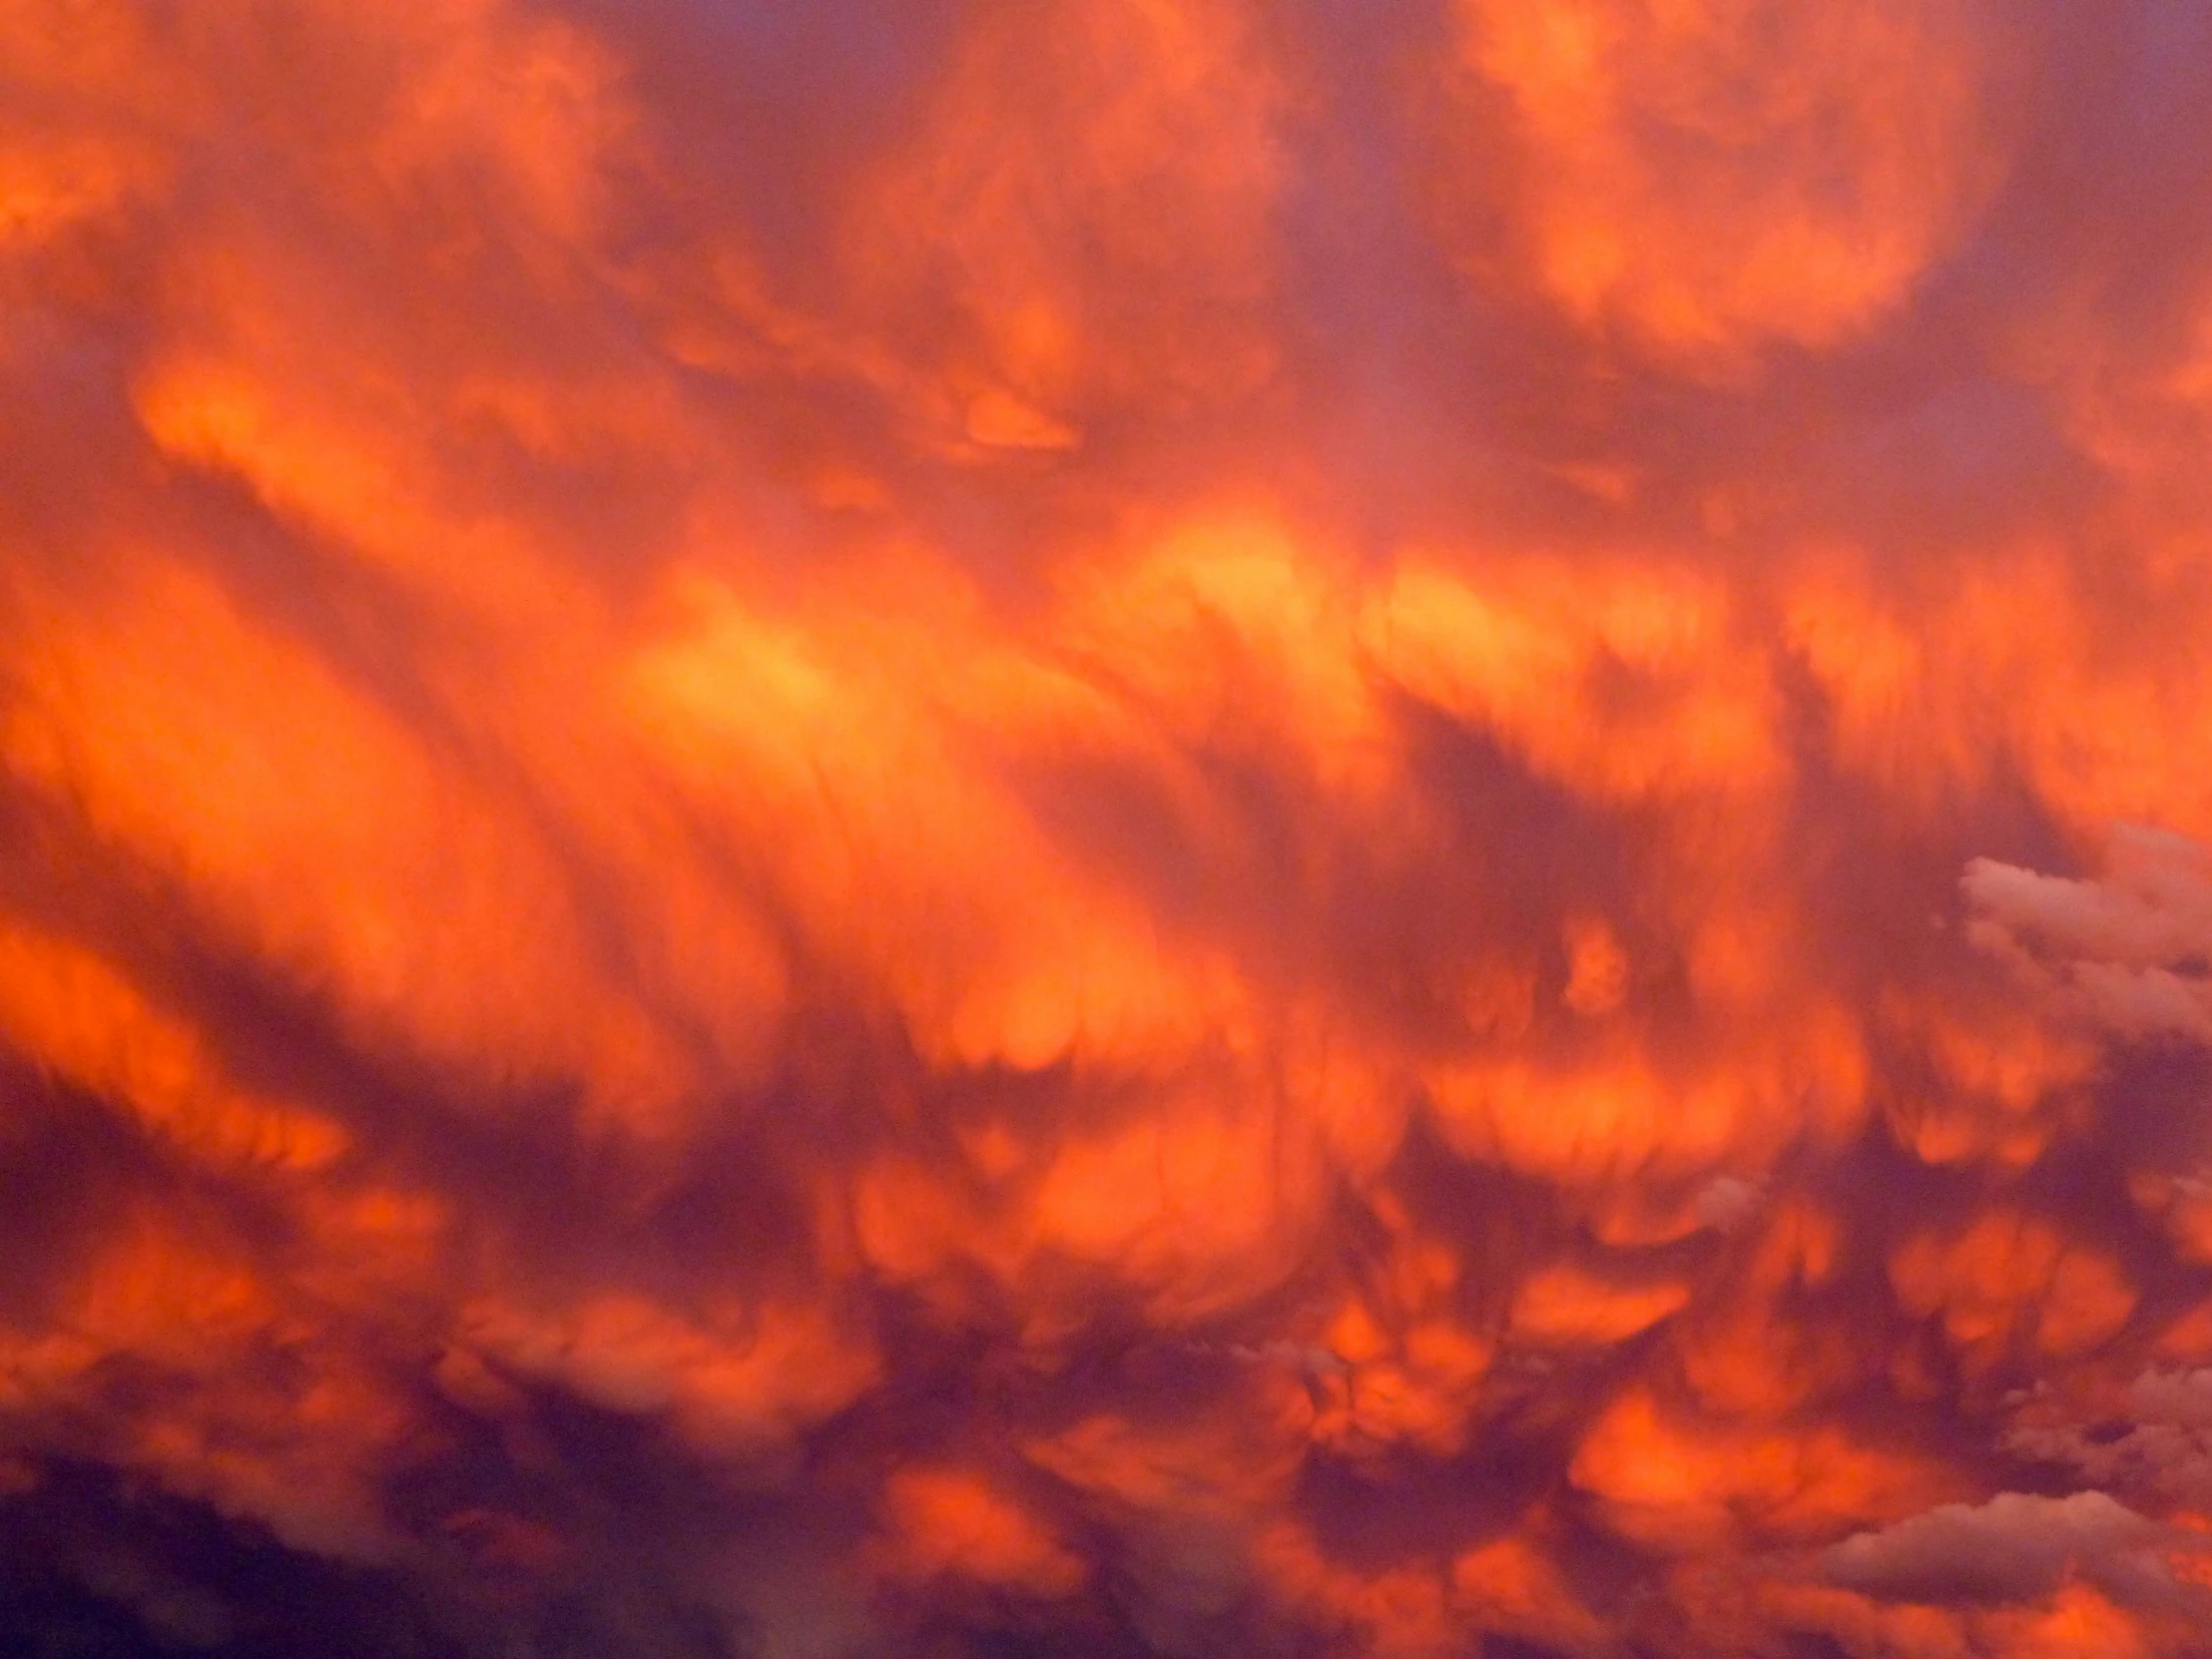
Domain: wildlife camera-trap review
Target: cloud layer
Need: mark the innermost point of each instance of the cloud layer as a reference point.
(1106, 827)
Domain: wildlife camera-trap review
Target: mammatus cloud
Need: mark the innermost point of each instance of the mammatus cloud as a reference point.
(1120, 827)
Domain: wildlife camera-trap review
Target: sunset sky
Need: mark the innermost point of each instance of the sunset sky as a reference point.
(1106, 828)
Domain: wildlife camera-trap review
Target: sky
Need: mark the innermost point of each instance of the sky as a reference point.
(1106, 828)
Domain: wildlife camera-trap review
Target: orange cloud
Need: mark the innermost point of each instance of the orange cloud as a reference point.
(1715, 177)
(948, 1522)
(1136, 827)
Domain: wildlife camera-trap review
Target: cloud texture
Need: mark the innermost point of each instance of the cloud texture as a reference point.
(1106, 827)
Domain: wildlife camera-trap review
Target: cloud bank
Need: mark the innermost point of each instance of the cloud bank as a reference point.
(1113, 828)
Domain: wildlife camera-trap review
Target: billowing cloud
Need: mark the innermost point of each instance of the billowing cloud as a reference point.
(2132, 951)
(2016, 1547)
(1113, 828)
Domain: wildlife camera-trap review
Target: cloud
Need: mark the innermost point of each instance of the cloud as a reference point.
(2130, 951)
(1121, 826)
(2157, 1443)
(2015, 1547)
(1669, 155)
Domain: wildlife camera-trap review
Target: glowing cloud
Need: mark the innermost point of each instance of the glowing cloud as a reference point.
(1108, 827)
